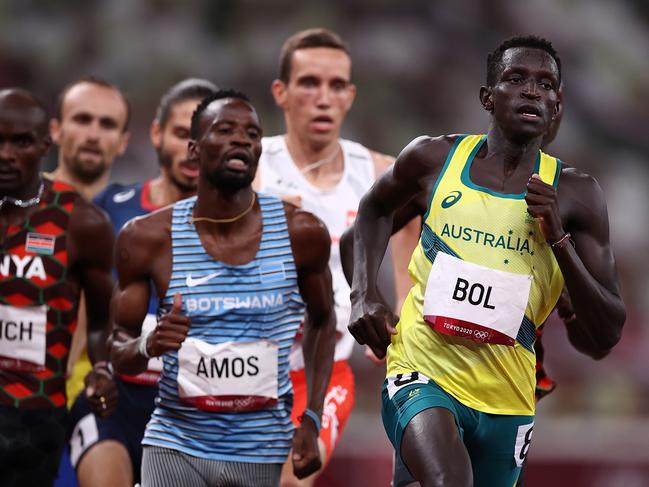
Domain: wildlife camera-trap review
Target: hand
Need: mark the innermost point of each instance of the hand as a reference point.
(101, 391)
(372, 324)
(306, 454)
(542, 204)
(171, 331)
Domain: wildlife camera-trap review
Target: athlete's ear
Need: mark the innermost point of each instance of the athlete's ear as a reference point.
(55, 130)
(558, 108)
(192, 150)
(486, 98)
(351, 90)
(155, 133)
(123, 143)
(278, 89)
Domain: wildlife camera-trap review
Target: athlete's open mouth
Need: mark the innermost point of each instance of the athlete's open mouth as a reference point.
(90, 149)
(237, 160)
(530, 111)
(323, 119)
(189, 169)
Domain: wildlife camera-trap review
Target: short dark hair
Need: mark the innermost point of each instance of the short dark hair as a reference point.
(94, 80)
(187, 89)
(495, 58)
(305, 39)
(219, 95)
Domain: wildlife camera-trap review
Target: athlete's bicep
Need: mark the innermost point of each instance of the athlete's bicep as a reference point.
(311, 245)
(317, 294)
(129, 307)
(132, 291)
(590, 231)
(91, 238)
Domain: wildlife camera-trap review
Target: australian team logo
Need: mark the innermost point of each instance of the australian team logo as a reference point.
(452, 198)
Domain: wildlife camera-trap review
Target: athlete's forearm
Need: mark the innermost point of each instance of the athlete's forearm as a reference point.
(97, 336)
(372, 230)
(318, 345)
(599, 312)
(125, 354)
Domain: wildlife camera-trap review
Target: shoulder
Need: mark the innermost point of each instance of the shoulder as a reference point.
(148, 231)
(116, 193)
(429, 149)
(308, 234)
(90, 230)
(271, 144)
(423, 156)
(580, 188)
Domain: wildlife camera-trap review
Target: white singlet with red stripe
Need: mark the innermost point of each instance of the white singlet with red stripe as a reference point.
(336, 207)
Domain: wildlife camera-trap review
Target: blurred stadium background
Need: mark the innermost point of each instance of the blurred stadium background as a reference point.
(418, 66)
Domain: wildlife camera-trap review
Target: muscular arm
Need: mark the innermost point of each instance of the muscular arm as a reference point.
(409, 178)
(311, 247)
(312, 244)
(91, 238)
(404, 238)
(589, 267)
(138, 246)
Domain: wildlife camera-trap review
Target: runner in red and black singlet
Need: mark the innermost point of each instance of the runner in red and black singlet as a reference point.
(34, 273)
(53, 244)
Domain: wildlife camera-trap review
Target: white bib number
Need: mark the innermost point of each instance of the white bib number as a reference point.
(475, 302)
(231, 376)
(523, 442)
(22, 338)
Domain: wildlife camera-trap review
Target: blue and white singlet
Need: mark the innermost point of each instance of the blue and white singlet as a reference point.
(257, 301)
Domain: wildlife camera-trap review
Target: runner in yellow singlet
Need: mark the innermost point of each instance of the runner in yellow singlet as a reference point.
(505, 226)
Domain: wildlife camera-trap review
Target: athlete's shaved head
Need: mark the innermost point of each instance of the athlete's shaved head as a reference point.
(19, 100)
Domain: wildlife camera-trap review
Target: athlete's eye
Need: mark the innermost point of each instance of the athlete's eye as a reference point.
(23, 141)
(339, 85)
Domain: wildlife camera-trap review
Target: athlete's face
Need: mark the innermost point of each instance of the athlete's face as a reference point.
(23, 143)
(171, 142)
(318, 94)
(229, 145)
(90, 133)
(524, 100)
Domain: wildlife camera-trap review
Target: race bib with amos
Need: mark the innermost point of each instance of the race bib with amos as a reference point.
(228, 377)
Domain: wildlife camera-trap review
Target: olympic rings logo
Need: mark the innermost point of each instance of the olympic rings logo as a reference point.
(481, 335)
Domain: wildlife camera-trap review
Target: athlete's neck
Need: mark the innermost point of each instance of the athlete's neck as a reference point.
(321, 164)
(163, 192)
(219, 204)
(513, 154)
(87, 190)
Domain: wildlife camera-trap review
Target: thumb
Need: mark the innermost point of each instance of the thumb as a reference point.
(177, 304)
(91, 386)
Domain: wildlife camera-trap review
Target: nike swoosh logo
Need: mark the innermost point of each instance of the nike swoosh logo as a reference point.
(197, 281)
(124, 196)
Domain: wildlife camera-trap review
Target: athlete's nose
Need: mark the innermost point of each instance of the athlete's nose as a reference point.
(530, 89)
(240, 137)
(324, 96)
(7, 153)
